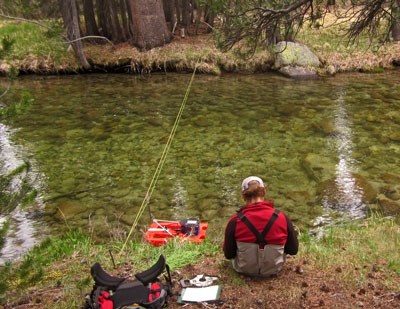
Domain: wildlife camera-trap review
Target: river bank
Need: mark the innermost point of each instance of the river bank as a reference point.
(349, 267)
(35, 52)
(184, 54)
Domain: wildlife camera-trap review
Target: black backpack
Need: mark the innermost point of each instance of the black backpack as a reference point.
(115, 292)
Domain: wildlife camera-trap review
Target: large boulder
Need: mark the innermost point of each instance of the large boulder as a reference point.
(295, 60)
(294, 54)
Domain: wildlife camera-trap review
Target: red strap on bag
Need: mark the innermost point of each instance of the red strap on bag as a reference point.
(155, 291)
(104, 301)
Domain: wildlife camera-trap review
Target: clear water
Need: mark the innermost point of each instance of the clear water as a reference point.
(326, 148)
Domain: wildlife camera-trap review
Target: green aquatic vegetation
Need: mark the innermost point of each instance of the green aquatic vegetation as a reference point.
(3, 232)
(17, 107)
(11, 196)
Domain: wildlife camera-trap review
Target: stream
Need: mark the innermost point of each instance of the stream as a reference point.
(328, 150)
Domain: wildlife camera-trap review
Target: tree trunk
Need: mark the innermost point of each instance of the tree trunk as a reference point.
(90, 20)
(116, 32)
(124, 18)
(178, 11)
(396, 31)
(186, 13)
(130, 19)
(209, 17)
(71, 25)
(149, 25)
(396, 25)
(169, 10)
(103, 16)
(196, 13)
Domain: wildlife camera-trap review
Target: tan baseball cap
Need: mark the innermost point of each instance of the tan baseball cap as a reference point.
(246, 181)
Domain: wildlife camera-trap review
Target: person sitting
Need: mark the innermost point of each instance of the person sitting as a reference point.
(258, 237)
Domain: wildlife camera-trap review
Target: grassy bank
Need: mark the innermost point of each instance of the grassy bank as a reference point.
(37, 50)
(56, 274)
(61, 266)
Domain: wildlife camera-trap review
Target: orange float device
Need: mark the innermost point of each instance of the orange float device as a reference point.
(162, 231)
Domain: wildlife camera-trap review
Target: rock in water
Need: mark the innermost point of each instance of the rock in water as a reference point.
(296, 60)
(294, 54)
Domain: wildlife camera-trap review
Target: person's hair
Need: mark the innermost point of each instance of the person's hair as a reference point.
(253, 191)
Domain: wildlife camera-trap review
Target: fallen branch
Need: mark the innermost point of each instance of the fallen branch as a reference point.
(26, 20)
(86, 37)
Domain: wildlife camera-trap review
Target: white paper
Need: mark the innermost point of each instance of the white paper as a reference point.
(200, 294)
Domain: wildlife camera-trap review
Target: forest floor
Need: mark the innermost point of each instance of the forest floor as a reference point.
(299, 285)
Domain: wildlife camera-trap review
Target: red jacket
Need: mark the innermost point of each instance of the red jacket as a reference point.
(281, 232)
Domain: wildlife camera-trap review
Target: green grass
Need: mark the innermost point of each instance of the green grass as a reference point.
(364, 244)
(332, 37)
(33, 40)
(65, 261)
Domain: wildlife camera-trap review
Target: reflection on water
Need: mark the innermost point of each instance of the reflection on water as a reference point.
(352, 195)
(21, 237)
(324, 153)
(21, 233)
(8, 158)
(348, 196)
(180, 197)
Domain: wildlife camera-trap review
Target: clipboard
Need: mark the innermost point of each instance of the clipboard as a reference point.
(200, 295)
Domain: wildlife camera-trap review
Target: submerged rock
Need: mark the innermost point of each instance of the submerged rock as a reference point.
(332, 193)
(155, 122)
(317, 167)
(202, 121)
(298, 72)
(388, 206)
(326, 126)
(391, 178)
(300, 198)
(69, 209)
(296, 60)
(394, 116)
(395, 136)
(391, 192)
